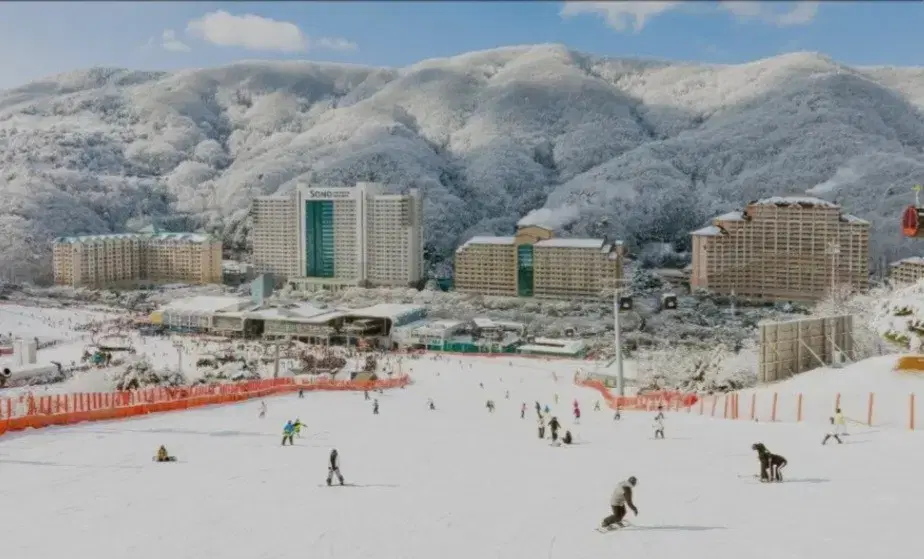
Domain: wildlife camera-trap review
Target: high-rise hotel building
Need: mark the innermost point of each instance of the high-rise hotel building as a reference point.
(330, 238)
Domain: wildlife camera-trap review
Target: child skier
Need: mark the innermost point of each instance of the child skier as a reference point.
(659, 426)
(288, 432)
(832, 432)
(771, 465)
(333, 468)
(619, 500)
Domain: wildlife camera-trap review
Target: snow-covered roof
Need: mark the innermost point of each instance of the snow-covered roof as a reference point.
(205, 304)
(437, 327)
(795, 201)
(554, 346)
(160, 236)
(289, 312)
(708, 231)
(736, 215)
(486, 240)
(850, 218)
(393, 311)
(571, 243)
(909, 260)
(486, 323)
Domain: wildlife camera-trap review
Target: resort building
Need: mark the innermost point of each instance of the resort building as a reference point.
(532, 263)
(150, 256)
(907, 270)
(782, 248)
(331, 238)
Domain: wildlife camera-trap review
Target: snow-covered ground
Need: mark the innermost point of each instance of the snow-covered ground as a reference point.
(457, 482)
(854, 383)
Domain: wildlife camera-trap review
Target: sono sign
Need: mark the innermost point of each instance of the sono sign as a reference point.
(329, 194)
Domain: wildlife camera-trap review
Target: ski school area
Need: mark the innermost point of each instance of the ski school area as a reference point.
(462, 478)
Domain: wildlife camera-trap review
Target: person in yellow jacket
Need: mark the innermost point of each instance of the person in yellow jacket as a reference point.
(163, 456)
(840, 422)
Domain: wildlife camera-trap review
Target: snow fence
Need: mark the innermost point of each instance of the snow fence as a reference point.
(34, 412)
(670, 400)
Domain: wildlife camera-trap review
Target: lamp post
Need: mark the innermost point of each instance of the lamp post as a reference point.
(179, 356)
(620, 378)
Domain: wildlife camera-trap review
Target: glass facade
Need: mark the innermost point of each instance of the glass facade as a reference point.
(525, 270)
(319, 239)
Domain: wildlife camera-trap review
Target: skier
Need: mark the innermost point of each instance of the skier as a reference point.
(554, 425)
(771, 465)
(301, 393)
(507, 395)
(262, 409)
(333, 468)
(430, 404)
(547, 409)
(288, 432)
(840, 423)
(597, 405)
(490, 405)
(541, 427)
(577, 414)
(616, 416)
(555, 397)
(619, 500)
(660, 413)
(523, 411)
(832, 432)
(538, 408)
(163, 455)
(366, 395)
(375, 407)
(659, 426)
(297, 426)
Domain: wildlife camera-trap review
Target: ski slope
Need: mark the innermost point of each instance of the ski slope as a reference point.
(455, 483)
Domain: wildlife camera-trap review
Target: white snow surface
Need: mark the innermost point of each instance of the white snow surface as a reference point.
(622, 148)
(457, 482)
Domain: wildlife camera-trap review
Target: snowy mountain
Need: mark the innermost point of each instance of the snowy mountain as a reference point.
(641, 150)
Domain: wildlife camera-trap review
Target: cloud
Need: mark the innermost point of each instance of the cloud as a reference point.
(334, 43)
(635, 15)
(168, 41)
(253, 32)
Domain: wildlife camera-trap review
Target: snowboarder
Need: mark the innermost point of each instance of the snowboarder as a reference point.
(541, 427)
(490, 405)
(523, 411)
(288, 432)
(567, 439)
(832, 432)
(333, 468)
(262, 409)
(659, 426)
(554, 425)
(163, 455)
(771, 465)
(619, 500)
(375, 407)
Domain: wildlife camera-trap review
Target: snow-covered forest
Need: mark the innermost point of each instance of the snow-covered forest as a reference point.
(643, 151)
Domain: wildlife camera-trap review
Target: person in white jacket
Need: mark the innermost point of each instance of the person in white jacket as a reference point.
(619, 500)
(659, 426)
(832, 432)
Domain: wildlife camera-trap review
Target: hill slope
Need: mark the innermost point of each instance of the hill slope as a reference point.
(641, 150)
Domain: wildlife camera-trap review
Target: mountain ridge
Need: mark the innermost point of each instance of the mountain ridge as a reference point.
(635, 149)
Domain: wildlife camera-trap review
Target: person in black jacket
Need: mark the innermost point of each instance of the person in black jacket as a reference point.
(771, 465)
(333, 468)
(554, 426)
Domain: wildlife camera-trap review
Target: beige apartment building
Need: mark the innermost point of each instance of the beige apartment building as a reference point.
(131, 258)
(782, 248)
(334, 238)
(907, 270)
(533, 263)
(274, 235)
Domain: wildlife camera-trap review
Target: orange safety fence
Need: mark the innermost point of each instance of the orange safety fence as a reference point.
(31, 411)
(649, 400)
